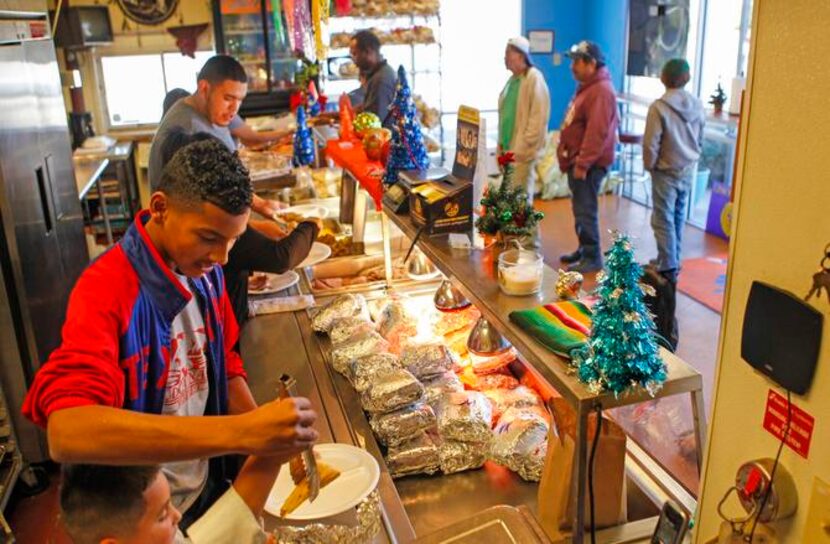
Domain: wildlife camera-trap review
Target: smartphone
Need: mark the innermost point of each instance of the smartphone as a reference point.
(672, 525)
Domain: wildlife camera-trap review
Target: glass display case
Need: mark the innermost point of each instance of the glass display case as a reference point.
(245, 30)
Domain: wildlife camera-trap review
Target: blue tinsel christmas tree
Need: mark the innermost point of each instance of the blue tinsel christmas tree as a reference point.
(621, 351)
(303, 143)
(406, 150)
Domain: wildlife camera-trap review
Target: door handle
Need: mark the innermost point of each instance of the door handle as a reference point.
(44, 202)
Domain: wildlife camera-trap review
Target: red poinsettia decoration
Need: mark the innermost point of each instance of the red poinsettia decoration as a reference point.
(506, 158)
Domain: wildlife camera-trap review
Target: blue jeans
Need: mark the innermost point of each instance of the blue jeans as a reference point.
(586, 212)
(671, 194)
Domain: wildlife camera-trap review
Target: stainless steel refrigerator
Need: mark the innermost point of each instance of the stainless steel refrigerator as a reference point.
(42, 243)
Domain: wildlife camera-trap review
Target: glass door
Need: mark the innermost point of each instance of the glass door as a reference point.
(244, 39)
(283, 61)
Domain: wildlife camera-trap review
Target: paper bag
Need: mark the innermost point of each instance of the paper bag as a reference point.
(556, 509)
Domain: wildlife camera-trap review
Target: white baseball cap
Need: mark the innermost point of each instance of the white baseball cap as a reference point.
(520, 43)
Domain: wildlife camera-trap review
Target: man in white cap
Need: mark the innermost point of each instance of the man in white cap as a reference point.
(524, 111)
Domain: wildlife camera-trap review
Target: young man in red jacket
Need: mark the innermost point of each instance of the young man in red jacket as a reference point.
(145, 373)
(586, 149)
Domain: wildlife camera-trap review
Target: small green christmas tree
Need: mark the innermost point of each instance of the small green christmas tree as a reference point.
(718, 98)
(621, 351)
(505, 209)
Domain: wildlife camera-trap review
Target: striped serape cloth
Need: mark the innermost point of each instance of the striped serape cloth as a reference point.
(560, 326)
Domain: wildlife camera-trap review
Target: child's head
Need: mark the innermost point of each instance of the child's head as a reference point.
(202, 203)
(675, 73)
(117, 505)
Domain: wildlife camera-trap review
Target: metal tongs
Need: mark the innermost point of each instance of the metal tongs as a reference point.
(303, 465)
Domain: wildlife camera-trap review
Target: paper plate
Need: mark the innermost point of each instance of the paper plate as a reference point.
(275, 282)
(359, 475)
(307, 210)
(319, 252)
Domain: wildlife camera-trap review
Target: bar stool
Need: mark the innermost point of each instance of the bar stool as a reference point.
(629, 143)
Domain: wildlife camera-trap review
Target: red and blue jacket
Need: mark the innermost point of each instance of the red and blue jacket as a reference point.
(115, 348)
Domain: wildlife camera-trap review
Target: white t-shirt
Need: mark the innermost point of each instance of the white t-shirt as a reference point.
(228, 521)
(186, 395)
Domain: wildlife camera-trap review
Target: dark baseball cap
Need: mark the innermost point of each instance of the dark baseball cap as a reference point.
(587, 51)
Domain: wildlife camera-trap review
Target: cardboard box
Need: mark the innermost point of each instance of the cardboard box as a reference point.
(442, 206)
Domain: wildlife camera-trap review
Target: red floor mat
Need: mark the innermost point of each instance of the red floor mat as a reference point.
(704, 280)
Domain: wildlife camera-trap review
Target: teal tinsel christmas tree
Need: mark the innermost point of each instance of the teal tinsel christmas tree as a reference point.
(406, 149)
(303, 143)
(621, 351)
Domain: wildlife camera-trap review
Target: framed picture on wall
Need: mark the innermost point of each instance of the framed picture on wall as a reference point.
(658, 30)
(541, 41)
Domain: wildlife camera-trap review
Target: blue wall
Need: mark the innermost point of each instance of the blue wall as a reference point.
(602, 21)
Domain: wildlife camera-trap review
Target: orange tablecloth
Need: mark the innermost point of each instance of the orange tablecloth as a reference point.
(350, 156)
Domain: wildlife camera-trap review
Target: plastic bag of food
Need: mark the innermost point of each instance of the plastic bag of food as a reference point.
(395, 323)
(521, 442)
(347, 305)
(357, 346)
(465, 417)
(444, 323)
(391, 389)
(496, 381)
(488, 365)
(458, 456)
(435, 388)
(427, 360)
(344, 328)
(519, 397)
(363, 370)
(399, 426)
(418, 455)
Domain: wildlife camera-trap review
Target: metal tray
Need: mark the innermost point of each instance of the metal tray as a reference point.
(496, 524)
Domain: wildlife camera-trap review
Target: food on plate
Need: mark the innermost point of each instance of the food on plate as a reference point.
(301, 491)
(257, 282)
(341, 246)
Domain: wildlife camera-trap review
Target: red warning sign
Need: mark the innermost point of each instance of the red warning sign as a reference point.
(801, 425)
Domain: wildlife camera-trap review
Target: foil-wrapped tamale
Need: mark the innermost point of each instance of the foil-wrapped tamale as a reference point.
(357, 346)
(465, 417)
(395, 427)
(348, 305)
(344, 328)
(458, 456)
(364, 369)
(435, 388)
(520, 442)
(391, 389)
(418, 455)
(427, 360)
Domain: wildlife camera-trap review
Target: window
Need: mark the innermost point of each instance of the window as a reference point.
(135, 85)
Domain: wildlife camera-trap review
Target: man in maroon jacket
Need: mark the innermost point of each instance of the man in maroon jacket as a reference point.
(586, 149)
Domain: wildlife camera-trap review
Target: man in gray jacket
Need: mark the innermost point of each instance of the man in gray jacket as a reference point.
(671, 148)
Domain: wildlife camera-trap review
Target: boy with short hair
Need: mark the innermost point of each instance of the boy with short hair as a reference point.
(147, 344)
(124, 505)
(671, 147)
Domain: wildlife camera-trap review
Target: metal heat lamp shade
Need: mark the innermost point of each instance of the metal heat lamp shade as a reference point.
(485, 340)
(448, 298)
